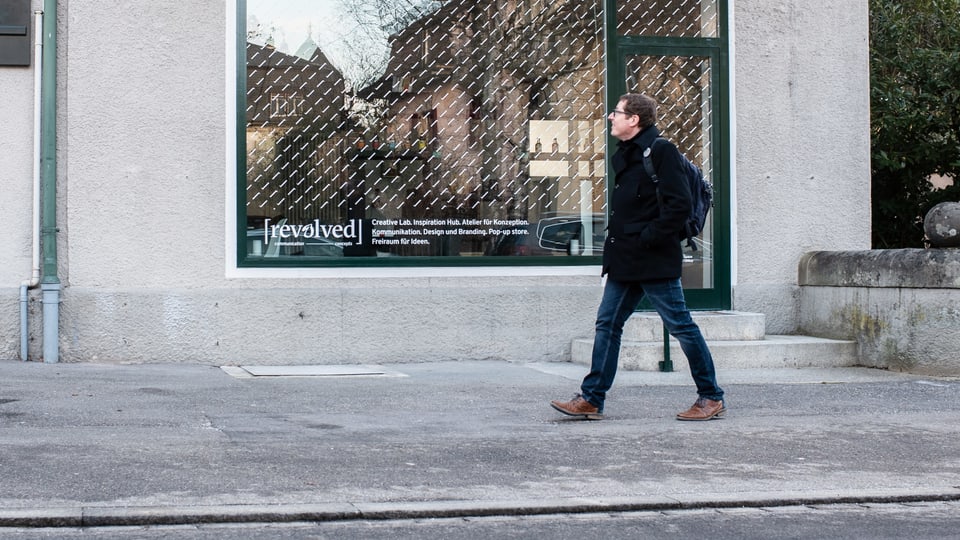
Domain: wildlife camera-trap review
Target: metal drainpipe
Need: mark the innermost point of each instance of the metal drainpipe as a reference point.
(50, 283)
(35, 229)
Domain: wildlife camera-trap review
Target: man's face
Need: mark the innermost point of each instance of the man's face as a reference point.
(623, 126)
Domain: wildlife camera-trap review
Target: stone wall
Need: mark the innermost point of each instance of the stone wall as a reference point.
(902, 306)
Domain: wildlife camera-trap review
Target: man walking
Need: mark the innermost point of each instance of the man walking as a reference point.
(642, 257)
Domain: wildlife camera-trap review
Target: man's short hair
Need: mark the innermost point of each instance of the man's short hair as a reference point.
(641, 105)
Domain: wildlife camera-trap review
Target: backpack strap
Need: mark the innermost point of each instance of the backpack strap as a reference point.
(648, 163)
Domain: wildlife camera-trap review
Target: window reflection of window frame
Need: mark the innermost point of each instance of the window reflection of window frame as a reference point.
(286, 105)
(474, 121)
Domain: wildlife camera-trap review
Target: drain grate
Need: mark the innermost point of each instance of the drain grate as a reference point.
(310, 371)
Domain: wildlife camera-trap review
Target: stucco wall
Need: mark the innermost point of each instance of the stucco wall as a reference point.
(16, 173)
(803, 144)
(330, 323)
(144, 151)
(143, 203)
(16, 196)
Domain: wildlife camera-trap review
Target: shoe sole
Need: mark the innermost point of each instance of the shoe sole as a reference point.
(585, 416)
(718, 416)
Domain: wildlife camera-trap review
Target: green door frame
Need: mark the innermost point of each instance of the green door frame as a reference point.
(618, 49)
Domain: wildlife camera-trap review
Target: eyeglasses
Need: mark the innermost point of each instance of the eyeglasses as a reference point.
(618, 111)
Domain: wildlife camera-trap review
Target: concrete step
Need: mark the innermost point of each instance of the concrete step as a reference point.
(770, 352)
(715, 326)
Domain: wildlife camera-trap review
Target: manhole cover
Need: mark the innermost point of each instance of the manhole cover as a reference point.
(310, 371)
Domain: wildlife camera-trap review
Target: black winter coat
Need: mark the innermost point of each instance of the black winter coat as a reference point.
(643, 236)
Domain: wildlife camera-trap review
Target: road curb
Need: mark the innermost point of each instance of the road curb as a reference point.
(112, 516)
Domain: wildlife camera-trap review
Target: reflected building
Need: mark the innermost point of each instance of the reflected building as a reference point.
(295, 133)
(468, 91)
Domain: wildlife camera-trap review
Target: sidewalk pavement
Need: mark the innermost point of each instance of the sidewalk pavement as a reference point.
(88, 445)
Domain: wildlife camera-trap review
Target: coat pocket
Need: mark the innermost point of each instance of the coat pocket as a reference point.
(633, 234)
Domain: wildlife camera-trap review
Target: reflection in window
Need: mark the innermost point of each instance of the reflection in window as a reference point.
(365, 139)
(667, 18)
(682, 85)
(487, 139)
(286, 105)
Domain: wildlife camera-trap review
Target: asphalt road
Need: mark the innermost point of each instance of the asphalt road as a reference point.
(185, 445)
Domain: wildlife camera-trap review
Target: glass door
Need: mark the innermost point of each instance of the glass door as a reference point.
(676, 57)
(684, 84)
(685, 74)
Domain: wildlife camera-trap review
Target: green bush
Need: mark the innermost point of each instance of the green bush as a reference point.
(915, 113)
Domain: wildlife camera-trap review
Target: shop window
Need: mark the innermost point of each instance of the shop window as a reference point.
(429, 132)
(397, 132)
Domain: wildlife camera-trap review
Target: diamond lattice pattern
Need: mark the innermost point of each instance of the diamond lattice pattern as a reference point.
(472, 128)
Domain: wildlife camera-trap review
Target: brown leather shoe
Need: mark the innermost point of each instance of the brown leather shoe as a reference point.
(703, 409)
(578, 407)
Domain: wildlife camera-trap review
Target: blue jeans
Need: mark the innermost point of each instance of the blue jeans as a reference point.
(620, 300)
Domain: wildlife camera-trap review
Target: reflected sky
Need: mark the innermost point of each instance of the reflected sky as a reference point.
(289, 23)
(349, 32)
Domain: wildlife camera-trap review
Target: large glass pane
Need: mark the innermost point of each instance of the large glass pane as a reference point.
(667, 18)
(681, 85)
(424, 128)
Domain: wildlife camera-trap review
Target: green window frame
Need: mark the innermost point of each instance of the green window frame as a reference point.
(611, 49)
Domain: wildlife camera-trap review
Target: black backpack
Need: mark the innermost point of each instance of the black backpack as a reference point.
(700, 190)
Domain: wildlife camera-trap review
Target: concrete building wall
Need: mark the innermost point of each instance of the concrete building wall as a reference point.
(144, 199)
(803, 145)
(16, 196)
(16, 172)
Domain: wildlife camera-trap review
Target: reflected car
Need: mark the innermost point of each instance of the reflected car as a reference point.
(553, 236)
(275, 247)
(695, 263)
(320, 247)
(703, 251)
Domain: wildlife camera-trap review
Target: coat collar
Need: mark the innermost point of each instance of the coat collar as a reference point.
(642, 140)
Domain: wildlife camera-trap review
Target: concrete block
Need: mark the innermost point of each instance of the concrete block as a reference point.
(770, 352)
(899, 305)
(715, 325)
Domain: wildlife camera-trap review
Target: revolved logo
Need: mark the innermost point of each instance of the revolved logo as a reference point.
(342, 234)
